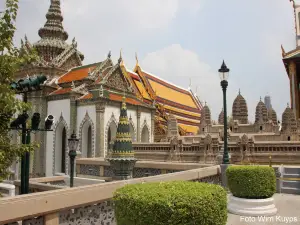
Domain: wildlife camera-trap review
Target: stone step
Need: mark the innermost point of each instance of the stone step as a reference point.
(291, 184)
(291, 170)
(287, 190)
(291, 175)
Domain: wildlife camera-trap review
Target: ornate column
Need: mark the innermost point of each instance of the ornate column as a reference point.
(138, 126)
(293, 87)
(73, 114)
(99, 147)
(152, 125)
(38, 157)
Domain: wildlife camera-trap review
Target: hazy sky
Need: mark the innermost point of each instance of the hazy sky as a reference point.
(182, 39)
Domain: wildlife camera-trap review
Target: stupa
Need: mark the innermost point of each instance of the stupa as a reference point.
(122, 158)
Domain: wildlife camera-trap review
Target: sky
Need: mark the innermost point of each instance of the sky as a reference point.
(183, 41)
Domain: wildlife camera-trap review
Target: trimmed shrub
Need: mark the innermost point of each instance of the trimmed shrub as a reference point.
(171, 203)
(253, 182)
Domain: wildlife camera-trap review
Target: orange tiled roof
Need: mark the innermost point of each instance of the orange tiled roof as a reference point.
(188, 128)
(116, 97)
(77, 73)
(181, 111)
(61, 91)
(171, 93)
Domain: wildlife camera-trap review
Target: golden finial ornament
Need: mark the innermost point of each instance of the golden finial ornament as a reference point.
(136, 58)
(270, 160)
(282, 51)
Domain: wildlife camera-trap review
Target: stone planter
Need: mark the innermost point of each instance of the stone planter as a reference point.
(251, 207)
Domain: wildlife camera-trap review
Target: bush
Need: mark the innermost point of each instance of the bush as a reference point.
(253, 182)
(171, 203)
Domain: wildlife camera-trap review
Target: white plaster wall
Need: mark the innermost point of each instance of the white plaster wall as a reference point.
(81, 111)
(146, 116)
(55, 108)
(109, 110)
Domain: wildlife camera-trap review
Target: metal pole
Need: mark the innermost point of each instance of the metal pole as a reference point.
(224, 85)
(23, 158)
(27, 165)
(72, 155)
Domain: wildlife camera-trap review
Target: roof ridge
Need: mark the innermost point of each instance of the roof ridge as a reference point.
(85, 66)
(168, 82)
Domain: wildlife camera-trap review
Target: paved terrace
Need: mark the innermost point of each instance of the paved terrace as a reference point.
(84, 205)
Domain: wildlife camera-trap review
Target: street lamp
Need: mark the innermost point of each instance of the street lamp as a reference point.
(73, 144)
(224, 74)
(24, 87)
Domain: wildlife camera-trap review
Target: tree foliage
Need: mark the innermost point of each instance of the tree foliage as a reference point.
(10, 62)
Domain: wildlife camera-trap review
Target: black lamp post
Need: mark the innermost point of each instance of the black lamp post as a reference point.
(24, 87)
(224, 74)
(73, 144)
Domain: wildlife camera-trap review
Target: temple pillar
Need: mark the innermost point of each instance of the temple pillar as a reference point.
(138, 129)
(100, 147)
(73, 114)
(38, 159)
(152, 125)
(293, 87)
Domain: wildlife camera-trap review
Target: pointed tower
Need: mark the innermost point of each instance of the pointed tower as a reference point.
(122, 159)
(53, 36)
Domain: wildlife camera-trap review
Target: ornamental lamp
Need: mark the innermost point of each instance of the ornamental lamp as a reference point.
(35, 121)
(73, 142)
(224, 72)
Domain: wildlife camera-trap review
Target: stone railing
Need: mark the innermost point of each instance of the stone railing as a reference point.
(98, 167)
(54, 183)
(7, 190)
(84, 205)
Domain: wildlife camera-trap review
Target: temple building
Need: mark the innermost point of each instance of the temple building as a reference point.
(291, 62)
(87, 98)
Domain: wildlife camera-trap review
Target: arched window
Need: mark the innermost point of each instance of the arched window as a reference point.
(89, 142)
(111, 135)
(60, 149)
(131, 130)
(145, 134)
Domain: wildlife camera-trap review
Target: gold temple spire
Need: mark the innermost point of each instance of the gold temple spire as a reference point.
(137, 60)
(120, 61)
(282, 51)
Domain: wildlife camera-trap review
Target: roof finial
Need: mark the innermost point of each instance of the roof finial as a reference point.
(288, 105)
(259, 98)
(109, 54)
(239, 91)
(136, 58)
(120, 59)
(282, 51)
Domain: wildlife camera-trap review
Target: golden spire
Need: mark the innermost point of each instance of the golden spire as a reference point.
(137, 60)
(120, 61)
(282, 51)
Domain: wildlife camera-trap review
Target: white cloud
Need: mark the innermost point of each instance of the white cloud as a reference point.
(178, 65)
(146, 14)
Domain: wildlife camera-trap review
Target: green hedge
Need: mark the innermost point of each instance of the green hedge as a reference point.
(253, 182)
(171, 203)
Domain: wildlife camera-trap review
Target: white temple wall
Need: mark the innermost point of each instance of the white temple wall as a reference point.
(56, 108)
(81, 112)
